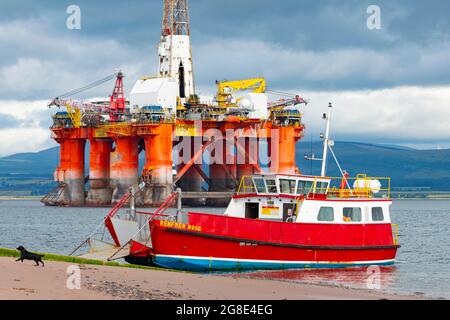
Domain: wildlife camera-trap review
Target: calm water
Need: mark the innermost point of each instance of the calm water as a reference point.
(422, 267)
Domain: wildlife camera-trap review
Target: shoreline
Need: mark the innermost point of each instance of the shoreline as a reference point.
(24, 198)
(99, 282)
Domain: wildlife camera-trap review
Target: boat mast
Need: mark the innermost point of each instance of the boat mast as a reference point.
(326, 140)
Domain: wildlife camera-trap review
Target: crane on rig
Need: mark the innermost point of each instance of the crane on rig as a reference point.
(284, 103)
(282, 111)
(80, 112)
(117, 100)
(226, 89)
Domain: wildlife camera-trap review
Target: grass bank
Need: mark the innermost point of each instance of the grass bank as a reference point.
(5, 252)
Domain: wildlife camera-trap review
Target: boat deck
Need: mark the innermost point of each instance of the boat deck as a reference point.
(105, 255)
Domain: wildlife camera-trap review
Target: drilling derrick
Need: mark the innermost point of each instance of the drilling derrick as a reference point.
(175, 62)
(175, 57)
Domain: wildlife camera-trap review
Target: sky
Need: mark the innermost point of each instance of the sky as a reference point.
(388, 85)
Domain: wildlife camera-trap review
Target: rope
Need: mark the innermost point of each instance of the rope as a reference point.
(343, 175)
(281, 93)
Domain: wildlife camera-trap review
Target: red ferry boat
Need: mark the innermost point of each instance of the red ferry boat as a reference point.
(275, 222)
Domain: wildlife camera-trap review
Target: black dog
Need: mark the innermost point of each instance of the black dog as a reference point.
(26, 255)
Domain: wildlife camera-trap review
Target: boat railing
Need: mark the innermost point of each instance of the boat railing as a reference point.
(361, 186)
(395, 233)
(246, 185)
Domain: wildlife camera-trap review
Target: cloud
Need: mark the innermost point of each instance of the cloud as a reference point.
(407, 115)
(40, 64)
(19, 140)
(388, 86)
(321, 46)
(404, 115)
(7, 121)
(26, 111)
(27, 129)
(346, 68)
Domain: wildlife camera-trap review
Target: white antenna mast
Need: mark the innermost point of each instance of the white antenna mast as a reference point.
(328, 143)
(326, 140)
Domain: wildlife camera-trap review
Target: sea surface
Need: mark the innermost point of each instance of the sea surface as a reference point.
(422, 267)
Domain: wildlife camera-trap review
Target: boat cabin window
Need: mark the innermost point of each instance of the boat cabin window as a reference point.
(271, 186)
(352, 214)
(326, 214)
(304, 187)
(260, 185)
(287, 186)
(321, 187)
(377, 214)
(300, 187)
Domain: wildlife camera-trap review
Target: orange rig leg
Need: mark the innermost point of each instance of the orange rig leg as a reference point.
(247, 156)
(124, 166)
(100, 192)
(157, 172)
(192, 180)
(222, 173)
(282, 150)
(70, 172)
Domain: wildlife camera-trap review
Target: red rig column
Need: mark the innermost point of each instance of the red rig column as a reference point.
(124, 165)
(100, 192)
(282, 150)
(221, 174)
(192, 179)
(71, 172)
(247, 156)
(157, 172)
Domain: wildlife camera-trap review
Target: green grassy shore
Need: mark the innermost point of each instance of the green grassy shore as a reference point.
(5, 252)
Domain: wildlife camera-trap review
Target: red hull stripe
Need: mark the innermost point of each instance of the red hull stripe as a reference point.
(285, 245)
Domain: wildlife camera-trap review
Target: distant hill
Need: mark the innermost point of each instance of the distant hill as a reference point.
(407, 167)
(32, 173)
(35, 164)
(26, 174)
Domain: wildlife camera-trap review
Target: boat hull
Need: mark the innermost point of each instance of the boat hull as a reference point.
(218, 243)
(204, 264)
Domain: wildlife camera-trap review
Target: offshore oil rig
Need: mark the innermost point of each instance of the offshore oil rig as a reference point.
(203, 145)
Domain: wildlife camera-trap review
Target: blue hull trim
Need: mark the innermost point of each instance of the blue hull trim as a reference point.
(211, 264)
